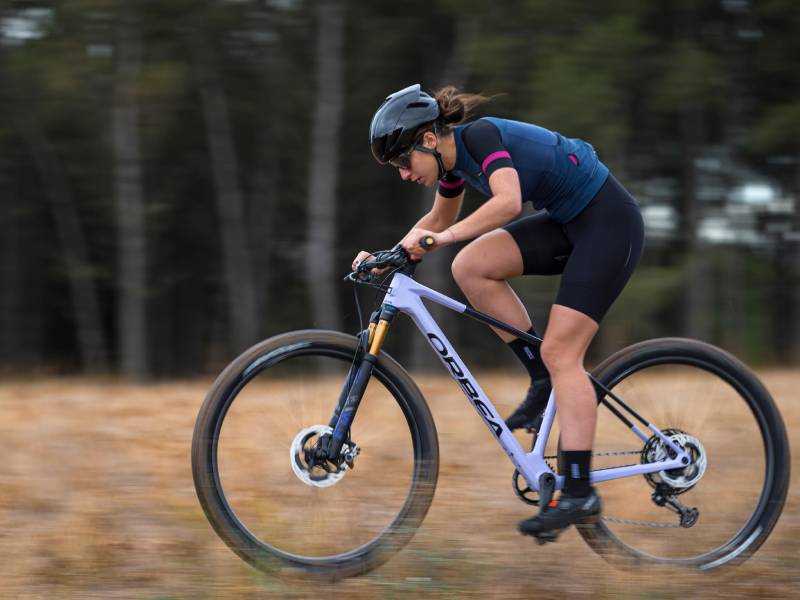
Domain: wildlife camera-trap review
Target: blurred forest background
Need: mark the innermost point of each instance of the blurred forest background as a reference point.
(180, 178)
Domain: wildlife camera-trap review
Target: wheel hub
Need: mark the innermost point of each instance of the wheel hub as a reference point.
(682, 479)
(309, 460)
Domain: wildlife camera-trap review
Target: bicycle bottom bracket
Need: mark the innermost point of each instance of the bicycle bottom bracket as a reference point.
(681, 479)
(309, 460)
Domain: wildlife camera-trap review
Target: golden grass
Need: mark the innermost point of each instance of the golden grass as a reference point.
(97, 501)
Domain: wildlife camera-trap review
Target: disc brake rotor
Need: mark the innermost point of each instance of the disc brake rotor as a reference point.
(302, 447)
(682, 479)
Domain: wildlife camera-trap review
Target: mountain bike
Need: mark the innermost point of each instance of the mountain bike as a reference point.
(315, 453)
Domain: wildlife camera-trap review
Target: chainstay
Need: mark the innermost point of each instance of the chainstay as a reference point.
(656, 524)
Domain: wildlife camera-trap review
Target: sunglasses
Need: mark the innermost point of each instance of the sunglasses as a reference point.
(403, 160)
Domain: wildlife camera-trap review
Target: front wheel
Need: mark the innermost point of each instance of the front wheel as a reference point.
(257, 481)
(713, 406)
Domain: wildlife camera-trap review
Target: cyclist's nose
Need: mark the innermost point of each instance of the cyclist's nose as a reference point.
(405, 174)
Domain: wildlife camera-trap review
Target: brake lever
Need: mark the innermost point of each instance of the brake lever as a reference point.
(396, 257)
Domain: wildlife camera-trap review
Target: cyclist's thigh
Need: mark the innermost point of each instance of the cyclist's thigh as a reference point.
(608, 240)
(494, 255)
(542, 243)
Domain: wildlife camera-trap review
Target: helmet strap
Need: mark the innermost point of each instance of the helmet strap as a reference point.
(437, 155)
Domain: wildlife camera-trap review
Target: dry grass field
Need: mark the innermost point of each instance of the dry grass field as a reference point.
(97, 501)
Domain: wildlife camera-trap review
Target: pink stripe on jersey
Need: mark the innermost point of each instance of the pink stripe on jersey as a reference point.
(493, 157)
(573, 158)
(451, 185)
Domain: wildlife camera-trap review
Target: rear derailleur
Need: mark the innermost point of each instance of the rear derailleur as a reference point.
(664, 495)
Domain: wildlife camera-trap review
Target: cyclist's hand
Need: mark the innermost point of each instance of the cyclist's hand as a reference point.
(361, 257)
(410, 243)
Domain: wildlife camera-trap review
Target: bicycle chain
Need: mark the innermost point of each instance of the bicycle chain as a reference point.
(643, 523)
(620, 520)
(608, 453)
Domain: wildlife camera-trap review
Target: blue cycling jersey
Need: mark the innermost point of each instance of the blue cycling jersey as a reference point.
(556, 173)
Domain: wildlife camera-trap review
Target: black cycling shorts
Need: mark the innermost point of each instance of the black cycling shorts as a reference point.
(596, 252)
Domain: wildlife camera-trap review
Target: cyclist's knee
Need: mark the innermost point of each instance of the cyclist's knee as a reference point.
(560, 356)
(484, 259)
(460, 267)
(466, 269)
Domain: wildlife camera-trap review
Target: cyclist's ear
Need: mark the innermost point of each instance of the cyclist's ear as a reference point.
(429, 140)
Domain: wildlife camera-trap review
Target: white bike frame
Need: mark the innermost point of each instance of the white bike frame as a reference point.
(406, 295)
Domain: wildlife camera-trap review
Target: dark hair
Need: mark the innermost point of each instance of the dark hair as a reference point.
(455, 107)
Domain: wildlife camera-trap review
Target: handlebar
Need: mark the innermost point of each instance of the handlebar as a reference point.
(396, 257)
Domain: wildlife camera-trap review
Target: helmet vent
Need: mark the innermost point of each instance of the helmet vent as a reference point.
(418, 105)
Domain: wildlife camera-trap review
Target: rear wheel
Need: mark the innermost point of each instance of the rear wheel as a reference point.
(253, 467)
(713, 406)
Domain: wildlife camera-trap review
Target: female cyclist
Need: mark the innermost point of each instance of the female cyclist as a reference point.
(589, 230)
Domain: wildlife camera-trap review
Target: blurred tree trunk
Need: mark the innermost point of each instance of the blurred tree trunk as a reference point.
(794, 280)
(10, 267)
(265, 179)
(242, 304)
(732, 271)
(22, 311)
(731, 303)
(262, 203)
(12, 262)
(321, 255)
(85, 304)
(696, 305)
(130, 204)
(692, 137)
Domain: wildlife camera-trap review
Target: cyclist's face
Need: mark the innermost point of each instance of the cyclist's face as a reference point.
(422, 167)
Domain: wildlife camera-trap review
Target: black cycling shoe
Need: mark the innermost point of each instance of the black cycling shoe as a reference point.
(560, 514)
(529, 413)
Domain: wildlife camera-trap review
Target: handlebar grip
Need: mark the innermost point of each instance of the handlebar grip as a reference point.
(427, 242)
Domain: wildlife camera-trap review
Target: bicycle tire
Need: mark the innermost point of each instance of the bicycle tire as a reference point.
(318, 345)
(678, 353)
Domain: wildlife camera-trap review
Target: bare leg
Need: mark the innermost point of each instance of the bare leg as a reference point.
(569, 333)
(481, 270)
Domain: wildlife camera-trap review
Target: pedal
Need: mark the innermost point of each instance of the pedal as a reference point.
(545, 537)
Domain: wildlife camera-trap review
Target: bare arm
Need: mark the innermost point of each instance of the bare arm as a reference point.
(441, 216)
(502, 207)
(444, 213)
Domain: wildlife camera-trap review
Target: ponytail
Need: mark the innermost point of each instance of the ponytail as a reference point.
(455, 107)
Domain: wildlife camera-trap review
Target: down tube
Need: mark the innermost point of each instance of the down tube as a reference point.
(444, 350)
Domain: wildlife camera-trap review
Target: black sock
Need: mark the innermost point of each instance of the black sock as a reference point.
(528, 354)
(577, 471)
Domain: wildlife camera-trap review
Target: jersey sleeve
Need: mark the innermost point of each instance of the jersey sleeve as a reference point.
(451, 185)
(482, 140)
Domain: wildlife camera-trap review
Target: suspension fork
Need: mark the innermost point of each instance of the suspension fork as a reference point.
(357, 380)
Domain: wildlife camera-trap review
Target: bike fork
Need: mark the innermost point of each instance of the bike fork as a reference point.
(357, 381)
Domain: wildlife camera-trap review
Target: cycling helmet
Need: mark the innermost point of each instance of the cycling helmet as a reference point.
(397, 121)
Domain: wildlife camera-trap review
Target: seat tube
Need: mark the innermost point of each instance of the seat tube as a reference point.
(348, 412)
